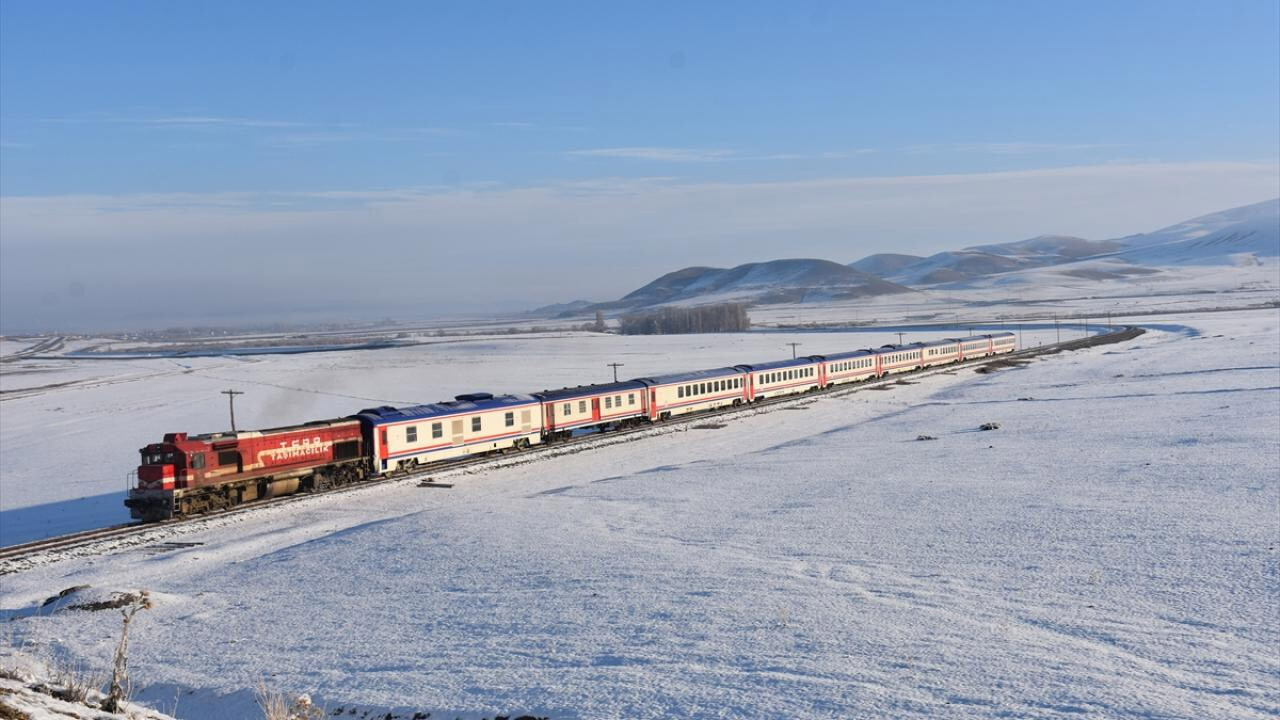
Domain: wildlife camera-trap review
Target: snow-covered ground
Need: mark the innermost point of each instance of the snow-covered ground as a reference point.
(1110, 551)
(70, 429)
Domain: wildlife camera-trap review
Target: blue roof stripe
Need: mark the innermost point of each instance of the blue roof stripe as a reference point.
(389, 414)
(778, 364)
(695, 375)
(590, 390)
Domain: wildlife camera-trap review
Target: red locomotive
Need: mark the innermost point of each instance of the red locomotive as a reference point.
(188, 475)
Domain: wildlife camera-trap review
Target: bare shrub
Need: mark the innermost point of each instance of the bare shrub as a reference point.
(75, 683)
(278, 706)
(121, 687)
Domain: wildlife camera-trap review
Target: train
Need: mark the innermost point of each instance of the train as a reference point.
(186, 475)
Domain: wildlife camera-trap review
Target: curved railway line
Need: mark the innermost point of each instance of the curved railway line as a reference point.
(16, 558)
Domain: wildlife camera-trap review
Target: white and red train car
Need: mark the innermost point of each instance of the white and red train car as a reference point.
(403, 438)
(782, 377)
(683, 393)
(586, 407)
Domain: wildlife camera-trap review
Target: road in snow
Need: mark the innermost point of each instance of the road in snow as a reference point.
(1110, 551)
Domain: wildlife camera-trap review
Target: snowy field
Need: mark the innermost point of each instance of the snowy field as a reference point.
(1110, 551)
(71, 429)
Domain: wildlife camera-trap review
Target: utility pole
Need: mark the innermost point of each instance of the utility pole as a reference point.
(900, 337)
(231, 400)
(793, 349)
(615, 367)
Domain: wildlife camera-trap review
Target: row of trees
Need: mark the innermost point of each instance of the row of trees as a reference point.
(726, 317)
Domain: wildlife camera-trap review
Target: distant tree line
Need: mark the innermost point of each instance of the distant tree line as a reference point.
(726, 317)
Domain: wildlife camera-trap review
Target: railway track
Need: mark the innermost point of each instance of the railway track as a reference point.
(16, 558)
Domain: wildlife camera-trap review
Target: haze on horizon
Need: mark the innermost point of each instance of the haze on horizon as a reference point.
(166, 164)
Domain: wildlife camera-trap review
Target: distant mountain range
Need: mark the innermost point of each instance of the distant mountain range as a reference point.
(1248, 235)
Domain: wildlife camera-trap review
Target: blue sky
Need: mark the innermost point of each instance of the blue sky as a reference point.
(170, 108)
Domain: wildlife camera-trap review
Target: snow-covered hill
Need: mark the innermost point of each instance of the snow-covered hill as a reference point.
(1243, 236)
(791, 280)
(1051, 249)
(882, 265)
(1248, 235)
(958, 265)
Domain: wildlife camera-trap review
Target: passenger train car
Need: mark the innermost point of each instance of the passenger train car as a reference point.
(683, 393)
(403, 438)
(189, 475)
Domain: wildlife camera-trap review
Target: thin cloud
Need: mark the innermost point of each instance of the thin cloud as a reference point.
(658, 154)
(690, 155)
(512, 124)
(1008, 148)
(191, 121)
(199, 120)
(831, 155)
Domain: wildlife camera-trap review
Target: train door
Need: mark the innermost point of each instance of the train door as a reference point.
(751, 386)
(653, 403)
(822, 374)
(455, 430)
(595, 408)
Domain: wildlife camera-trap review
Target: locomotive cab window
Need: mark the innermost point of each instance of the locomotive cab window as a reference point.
(197, 461)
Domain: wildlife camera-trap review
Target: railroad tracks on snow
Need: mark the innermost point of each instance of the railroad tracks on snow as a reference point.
(16, 558)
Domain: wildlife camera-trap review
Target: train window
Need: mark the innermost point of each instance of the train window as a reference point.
(680, 391)
(511, 419)
(197, 461)
(475, 424)
(567, 409)
(384, 444)
(608, 403)
(702, 388)
(437, 430)
(582, 406)
(631, 399)
(230, 457)
(411, 433)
